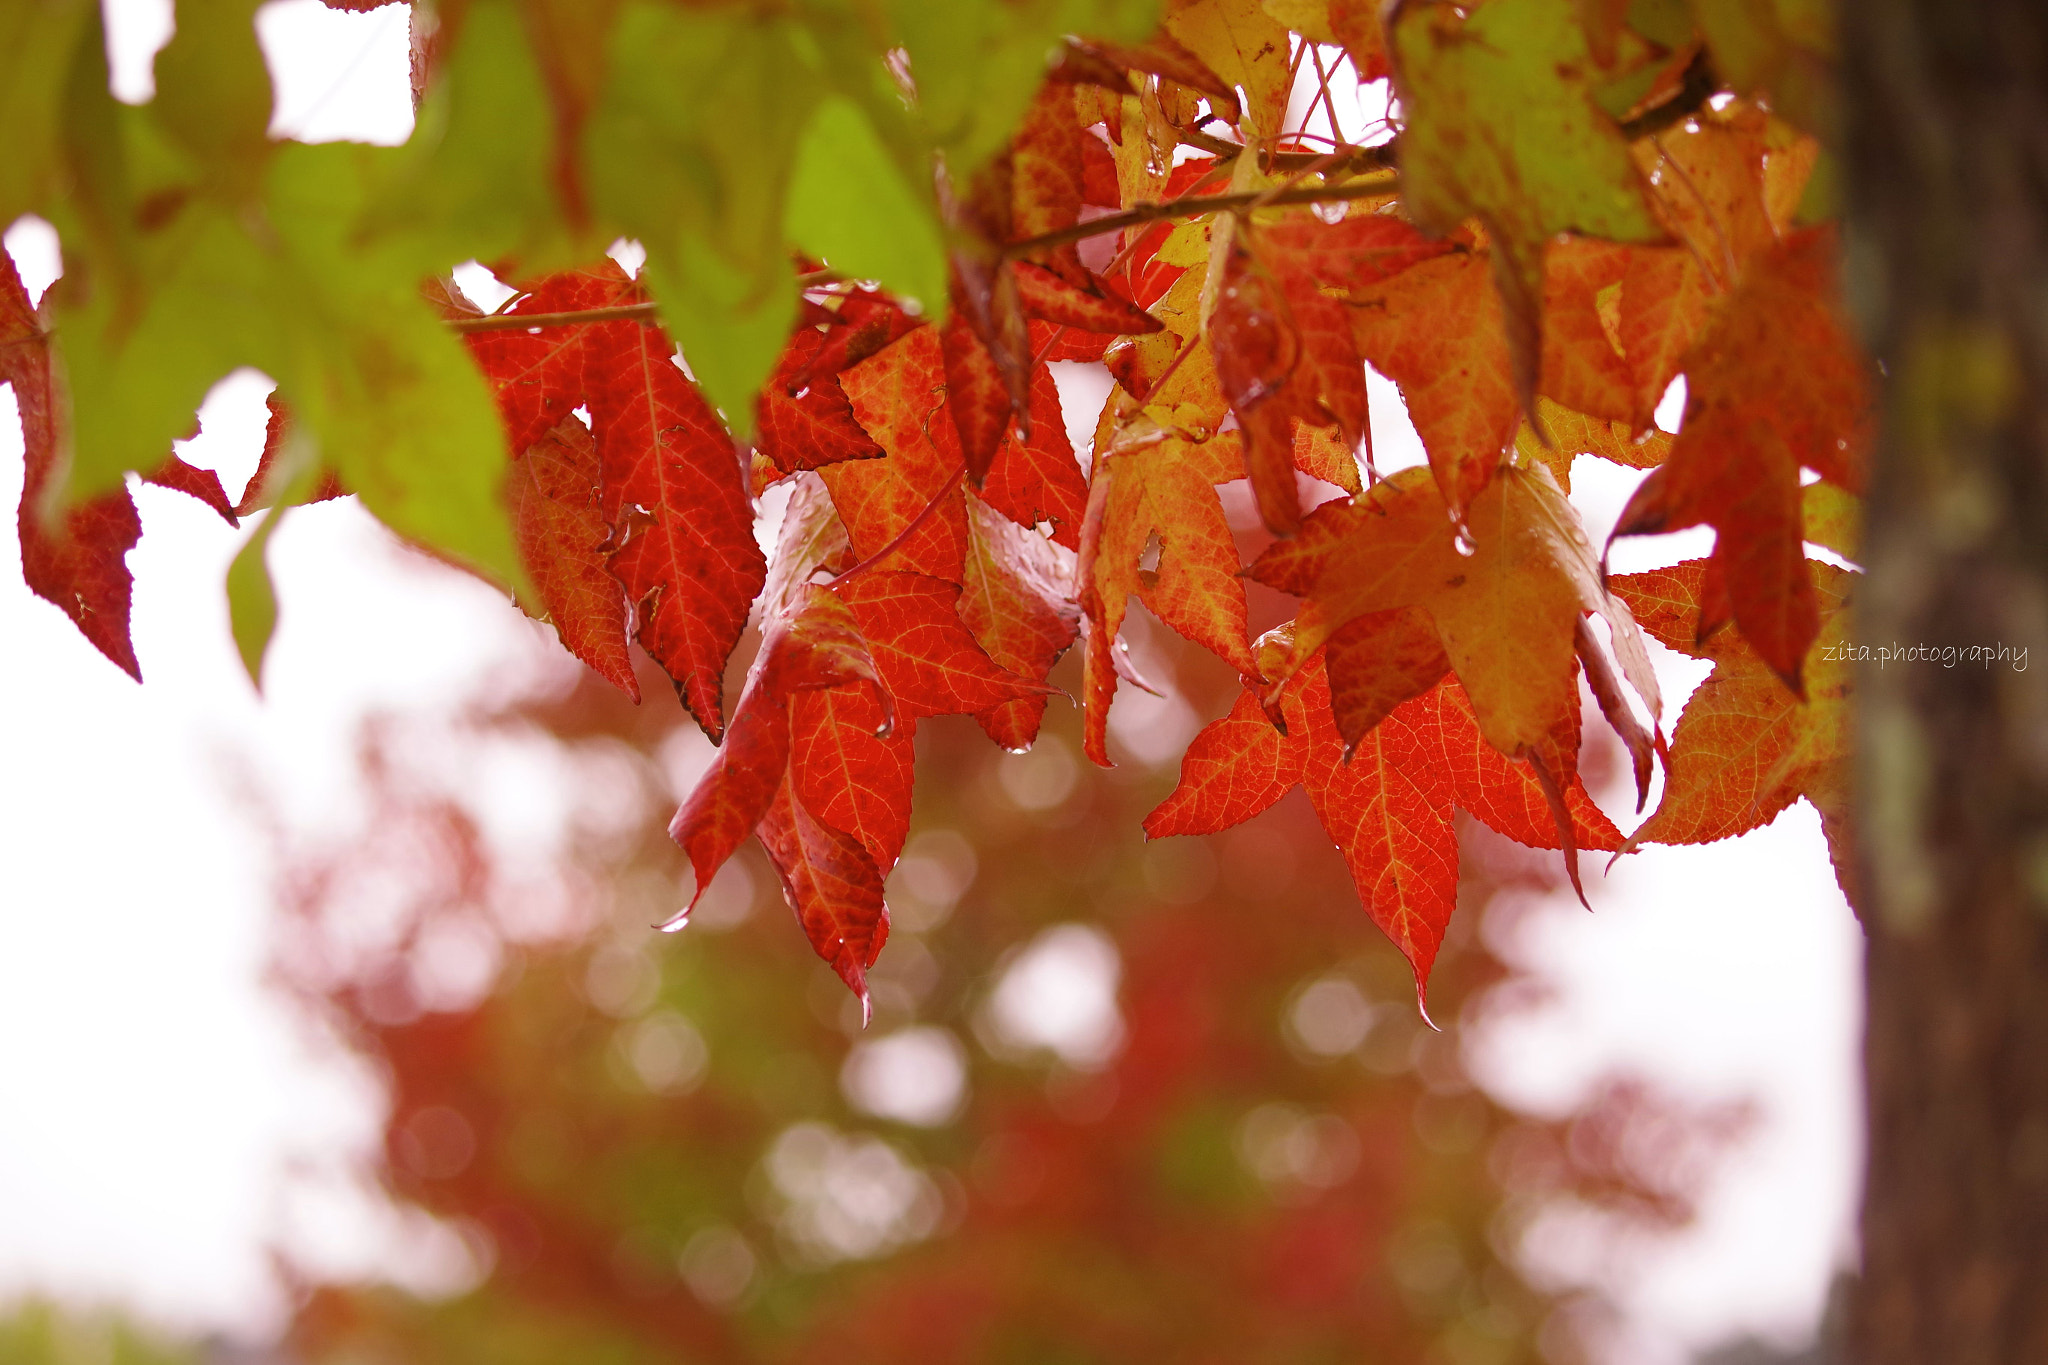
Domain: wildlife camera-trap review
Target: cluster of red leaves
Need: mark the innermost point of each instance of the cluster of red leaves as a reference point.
(1447, 614)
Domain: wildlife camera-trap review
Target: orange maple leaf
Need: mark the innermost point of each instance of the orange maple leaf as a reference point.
(1745, 748)
(1776, 384)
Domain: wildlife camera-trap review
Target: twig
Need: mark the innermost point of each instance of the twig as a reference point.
(510, 322)
(1195, 205)
(1363, 160)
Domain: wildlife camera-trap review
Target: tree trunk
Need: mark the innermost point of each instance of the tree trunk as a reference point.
(1947, 266)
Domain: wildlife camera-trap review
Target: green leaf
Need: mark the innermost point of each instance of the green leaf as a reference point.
(38, 46)
(289, 287)
(690, 152)
(252, 600)
(1502, 126)
(1833, 518)
(476, 180)
(400, 411)
(977, 63)
(850, 207)
(213, 90)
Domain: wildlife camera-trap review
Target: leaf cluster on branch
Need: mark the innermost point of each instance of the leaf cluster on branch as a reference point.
(869, 233)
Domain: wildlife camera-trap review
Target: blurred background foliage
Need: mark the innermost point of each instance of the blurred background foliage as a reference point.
(1118, 1102)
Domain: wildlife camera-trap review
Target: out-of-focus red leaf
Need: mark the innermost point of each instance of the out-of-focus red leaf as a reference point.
(1377, 662)
(1583, 366)
(78, 559)
(276, 431)
(1258, 350)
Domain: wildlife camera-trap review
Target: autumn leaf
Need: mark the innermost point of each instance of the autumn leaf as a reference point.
(832, 883)
(1435, 329)
(1506, 603)
(1387, 804)
(1283, 344)
(1035, 479)
(851, 766)
(76, 560)
(1155, 480)
(1774, 386)
(271, 480)
(818, 645)
(1502, 126)
(671, 490)
(560, 532)
(1745, 748)
(1244, 45)
(1016, 604)
(803, 419)
(929, 662)
(682, 539)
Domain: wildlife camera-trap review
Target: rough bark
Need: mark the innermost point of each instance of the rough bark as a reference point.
(1947, 160)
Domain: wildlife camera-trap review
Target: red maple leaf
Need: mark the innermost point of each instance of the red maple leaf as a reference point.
(1388, 805)
(76, 559)
(672, 490)
(560, 532)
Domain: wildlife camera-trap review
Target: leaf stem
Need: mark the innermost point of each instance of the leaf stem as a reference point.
(896, 541)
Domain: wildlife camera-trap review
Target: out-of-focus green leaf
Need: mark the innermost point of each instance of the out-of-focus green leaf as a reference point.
(849, 206)
(691, 152)
(1502, 126)
(213, 90)
(37, 1333)
(1667, 23)
(976, 63)
(252, 601)
(38, 45)
(399, 410)
(1781, 48)
(1833, 518)
(288, 288)
(475, 178)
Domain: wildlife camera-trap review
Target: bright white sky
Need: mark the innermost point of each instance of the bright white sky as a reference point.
(153, 1098)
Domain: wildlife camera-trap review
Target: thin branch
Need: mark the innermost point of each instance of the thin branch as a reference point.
(1362, 161)
(1195, 205)
(512, 322)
